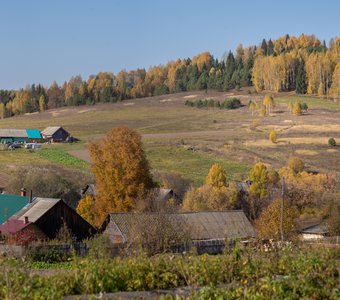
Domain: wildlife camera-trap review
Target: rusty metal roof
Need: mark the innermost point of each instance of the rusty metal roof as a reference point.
(206, 225)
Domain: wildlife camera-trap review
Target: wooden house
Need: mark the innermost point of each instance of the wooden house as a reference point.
(200, 228)
(55, 134)
(49, 216)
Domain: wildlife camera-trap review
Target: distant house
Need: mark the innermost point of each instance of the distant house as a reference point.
(197, 227)
(47, 216)
(88, 190)
(19, 135)
(313, 229)
(165, 195)
(55, 134)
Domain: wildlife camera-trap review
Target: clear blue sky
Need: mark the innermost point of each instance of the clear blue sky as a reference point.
(47, 40)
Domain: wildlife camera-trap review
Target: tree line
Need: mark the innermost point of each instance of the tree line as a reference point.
(299, 63)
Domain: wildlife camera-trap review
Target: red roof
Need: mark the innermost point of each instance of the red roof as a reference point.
(13, 226)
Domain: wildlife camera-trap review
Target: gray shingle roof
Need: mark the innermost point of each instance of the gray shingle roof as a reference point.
(205, 225)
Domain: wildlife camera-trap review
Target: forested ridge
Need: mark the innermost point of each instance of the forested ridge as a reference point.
(304, 64)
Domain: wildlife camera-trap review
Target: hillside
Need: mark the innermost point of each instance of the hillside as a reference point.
(234, 138)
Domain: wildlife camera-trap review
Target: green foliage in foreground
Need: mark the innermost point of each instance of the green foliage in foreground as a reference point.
(293, 274)
(61, 157)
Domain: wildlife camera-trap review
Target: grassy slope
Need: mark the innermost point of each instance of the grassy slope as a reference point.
(246, 135)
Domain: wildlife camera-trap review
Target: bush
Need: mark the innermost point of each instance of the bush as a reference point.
(295, 164)
(304, 106)
(273, 136)
(232, 103)
(332, 142)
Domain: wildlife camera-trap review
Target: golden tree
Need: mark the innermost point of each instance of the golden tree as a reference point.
(297, 109)
(268, 102)
(121, 171)
(295, 164)
(273, 136)
(42, 103)
(87, 209)
(268, 223)
(252, 107)
(258, 190)
(216, 176)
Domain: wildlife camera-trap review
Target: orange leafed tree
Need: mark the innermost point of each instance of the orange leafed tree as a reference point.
(87, 209)
(121, 171)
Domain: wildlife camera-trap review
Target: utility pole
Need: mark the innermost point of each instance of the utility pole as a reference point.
(282, 201)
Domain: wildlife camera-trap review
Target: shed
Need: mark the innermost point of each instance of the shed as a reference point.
(195, 226)
(10, 204)
(13, 135)
(33, 135)
(49, 215)
(55, 134)
(313, 229)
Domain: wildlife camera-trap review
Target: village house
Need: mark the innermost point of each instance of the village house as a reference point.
(207, 230)
(55, 134)
(46, 216)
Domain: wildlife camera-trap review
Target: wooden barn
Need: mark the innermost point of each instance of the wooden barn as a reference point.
(20, 135)
(49, 216)
(13, 135)
(201, 228)
(55, 134)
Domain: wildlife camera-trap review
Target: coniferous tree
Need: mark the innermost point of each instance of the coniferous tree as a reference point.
(264, 47)
(301, 80)
(270, 47)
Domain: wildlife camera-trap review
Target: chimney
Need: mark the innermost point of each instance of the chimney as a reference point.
(23, 192)
(26, 220)
(30, 199)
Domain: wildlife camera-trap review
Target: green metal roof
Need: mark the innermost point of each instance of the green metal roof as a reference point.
(13, 203)
(33, 134)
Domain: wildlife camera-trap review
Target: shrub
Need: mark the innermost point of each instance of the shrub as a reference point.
(304, 106)
(297, 109)
(332, 142)
(295, 164)
(273, 136)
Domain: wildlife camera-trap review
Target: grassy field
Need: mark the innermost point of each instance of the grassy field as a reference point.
(234, 138)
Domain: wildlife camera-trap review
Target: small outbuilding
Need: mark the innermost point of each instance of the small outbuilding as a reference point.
(313, 229)
(55, 134)
(13, 135)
